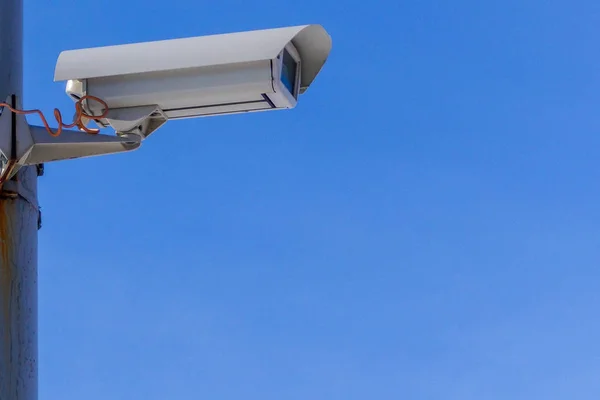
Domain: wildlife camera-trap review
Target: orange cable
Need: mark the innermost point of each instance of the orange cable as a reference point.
(77, 122)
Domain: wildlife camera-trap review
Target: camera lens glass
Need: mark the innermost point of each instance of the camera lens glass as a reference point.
(288, 72)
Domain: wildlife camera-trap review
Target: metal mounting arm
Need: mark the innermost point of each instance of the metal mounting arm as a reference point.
(74, 144)
(34, 145)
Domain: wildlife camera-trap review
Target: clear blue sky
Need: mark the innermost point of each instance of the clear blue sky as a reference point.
(425, 225)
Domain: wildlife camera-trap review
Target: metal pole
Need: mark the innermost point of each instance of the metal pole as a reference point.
(19, 219)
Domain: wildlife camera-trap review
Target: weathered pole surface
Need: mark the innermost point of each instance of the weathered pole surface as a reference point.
(19, 216)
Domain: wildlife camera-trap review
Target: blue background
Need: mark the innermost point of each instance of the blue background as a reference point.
(424, 225)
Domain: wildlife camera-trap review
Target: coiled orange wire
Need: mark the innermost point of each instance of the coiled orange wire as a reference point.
(77, 121)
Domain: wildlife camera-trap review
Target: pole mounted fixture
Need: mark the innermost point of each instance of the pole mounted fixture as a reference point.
(137, 88)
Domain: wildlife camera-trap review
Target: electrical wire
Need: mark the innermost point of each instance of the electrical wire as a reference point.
(78, 122)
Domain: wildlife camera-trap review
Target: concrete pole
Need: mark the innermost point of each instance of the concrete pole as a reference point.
(19, 218)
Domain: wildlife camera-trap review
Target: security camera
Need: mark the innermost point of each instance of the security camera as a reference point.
(136, 88)
(146, 84)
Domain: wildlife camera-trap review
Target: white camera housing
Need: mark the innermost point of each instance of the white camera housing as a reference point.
(146, 84)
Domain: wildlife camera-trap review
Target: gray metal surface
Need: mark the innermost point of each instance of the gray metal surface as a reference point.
(312, 42)
(73, 144)
(18, 237)
(35, 145)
